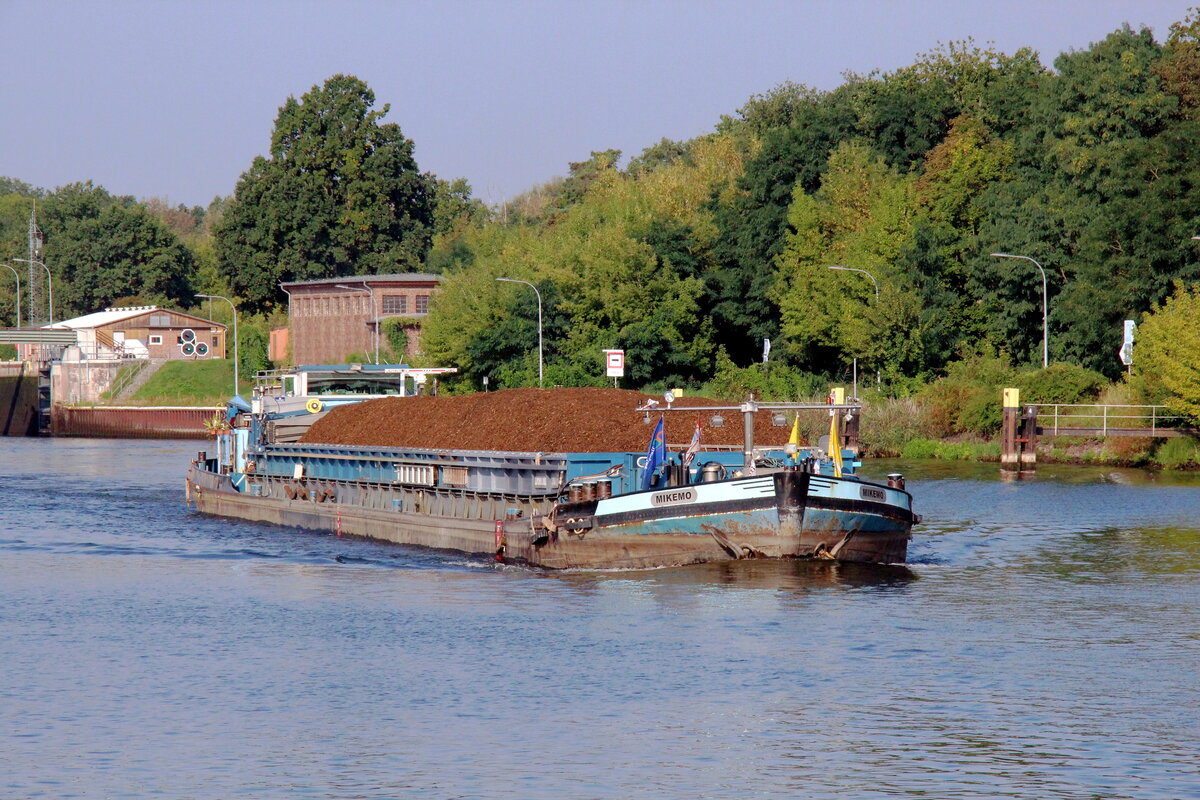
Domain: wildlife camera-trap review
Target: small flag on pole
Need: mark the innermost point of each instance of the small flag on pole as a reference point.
(795, 439)
(656, 454)
(835, 446)
(693, 448)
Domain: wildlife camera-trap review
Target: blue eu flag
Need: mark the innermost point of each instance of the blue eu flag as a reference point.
(656, 454)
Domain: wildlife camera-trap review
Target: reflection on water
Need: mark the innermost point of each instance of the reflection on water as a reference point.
(1041, 643)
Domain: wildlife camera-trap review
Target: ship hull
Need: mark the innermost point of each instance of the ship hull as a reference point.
(784, 515)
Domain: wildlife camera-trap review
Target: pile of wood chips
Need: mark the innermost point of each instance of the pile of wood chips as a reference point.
(587, 420)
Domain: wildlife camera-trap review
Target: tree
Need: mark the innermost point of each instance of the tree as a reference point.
(1166, 352)
(860, 218)
(663, 153)
(753, 222)
(339, 195)
(1180, 65)
(101, 248)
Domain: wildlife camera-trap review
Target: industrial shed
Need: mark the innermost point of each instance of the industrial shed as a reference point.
(146, 332)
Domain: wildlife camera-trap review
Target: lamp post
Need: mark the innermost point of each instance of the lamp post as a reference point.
(1045, 339)
(235, 336)
(374, 311)
(539, 301)
(864, 272)
(49, 284)
(17, 297)
(876, 284)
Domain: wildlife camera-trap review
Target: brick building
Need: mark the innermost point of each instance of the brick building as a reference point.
(330, 318)
(146, 332)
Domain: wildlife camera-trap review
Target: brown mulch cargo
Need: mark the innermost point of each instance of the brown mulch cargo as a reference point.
(587, 420)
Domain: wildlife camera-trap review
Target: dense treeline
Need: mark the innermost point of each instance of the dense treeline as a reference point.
(699, 250)
(694, 252)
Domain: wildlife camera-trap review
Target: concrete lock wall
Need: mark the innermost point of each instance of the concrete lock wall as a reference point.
(82, 381)
(18, 400)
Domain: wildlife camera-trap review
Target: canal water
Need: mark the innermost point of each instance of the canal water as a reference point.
(1043, 643)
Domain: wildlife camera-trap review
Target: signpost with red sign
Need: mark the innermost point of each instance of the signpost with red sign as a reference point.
(615, 362)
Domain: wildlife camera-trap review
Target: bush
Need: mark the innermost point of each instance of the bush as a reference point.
(967, 400)
(1181, 452)
(252, 350)
(8, 352)
(1126, 451)
(768, 382)
(951, 451)
(888, 425)
(1060, 383)
(395, 337)
(981, 412)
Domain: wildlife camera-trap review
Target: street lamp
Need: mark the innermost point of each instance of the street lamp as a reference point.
(864, 272)
(876, 283)
(374, 311)
(539, 299)
(1045, 340)
(17, 302)
(235, 336)
(49, 285)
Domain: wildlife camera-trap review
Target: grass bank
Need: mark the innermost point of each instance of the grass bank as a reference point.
(1180, 453)
(187, 383)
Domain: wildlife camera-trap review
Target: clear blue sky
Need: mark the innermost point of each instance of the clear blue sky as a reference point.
(174, 99)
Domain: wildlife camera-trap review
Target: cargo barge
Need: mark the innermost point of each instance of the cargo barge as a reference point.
(560, 510)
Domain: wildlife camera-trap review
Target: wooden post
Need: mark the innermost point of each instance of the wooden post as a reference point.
(1010, 457)
(850, 423)
(1028, 442)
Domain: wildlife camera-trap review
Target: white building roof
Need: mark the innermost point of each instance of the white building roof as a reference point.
(105, 317)
(111, 315)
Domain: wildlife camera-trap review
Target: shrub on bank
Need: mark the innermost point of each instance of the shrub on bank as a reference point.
(951, 451)
(1060, 383)
(1182, 452)
(888, 424)
(967, 399)
(768, 382)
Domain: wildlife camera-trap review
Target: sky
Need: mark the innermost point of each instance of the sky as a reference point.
(174, 99)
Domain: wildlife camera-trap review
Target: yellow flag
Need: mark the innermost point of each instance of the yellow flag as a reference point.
(795, 439)
(835, 446)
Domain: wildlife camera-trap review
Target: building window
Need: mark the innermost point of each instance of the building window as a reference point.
(422, 303)
(395, 304)
(155, 339)
(160, 321)
(214, 341)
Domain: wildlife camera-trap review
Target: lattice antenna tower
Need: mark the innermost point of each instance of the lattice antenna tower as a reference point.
(36, 248)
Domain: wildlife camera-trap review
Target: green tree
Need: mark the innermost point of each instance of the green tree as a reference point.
(752, 223)
(102, 248)
(1166, 352)
(340, 194)
(859, 218)
(1095, 195)
(661, 154)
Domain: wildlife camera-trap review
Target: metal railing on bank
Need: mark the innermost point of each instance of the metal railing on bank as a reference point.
(1104, 419)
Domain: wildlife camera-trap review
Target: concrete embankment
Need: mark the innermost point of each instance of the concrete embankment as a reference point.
(18, 399)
